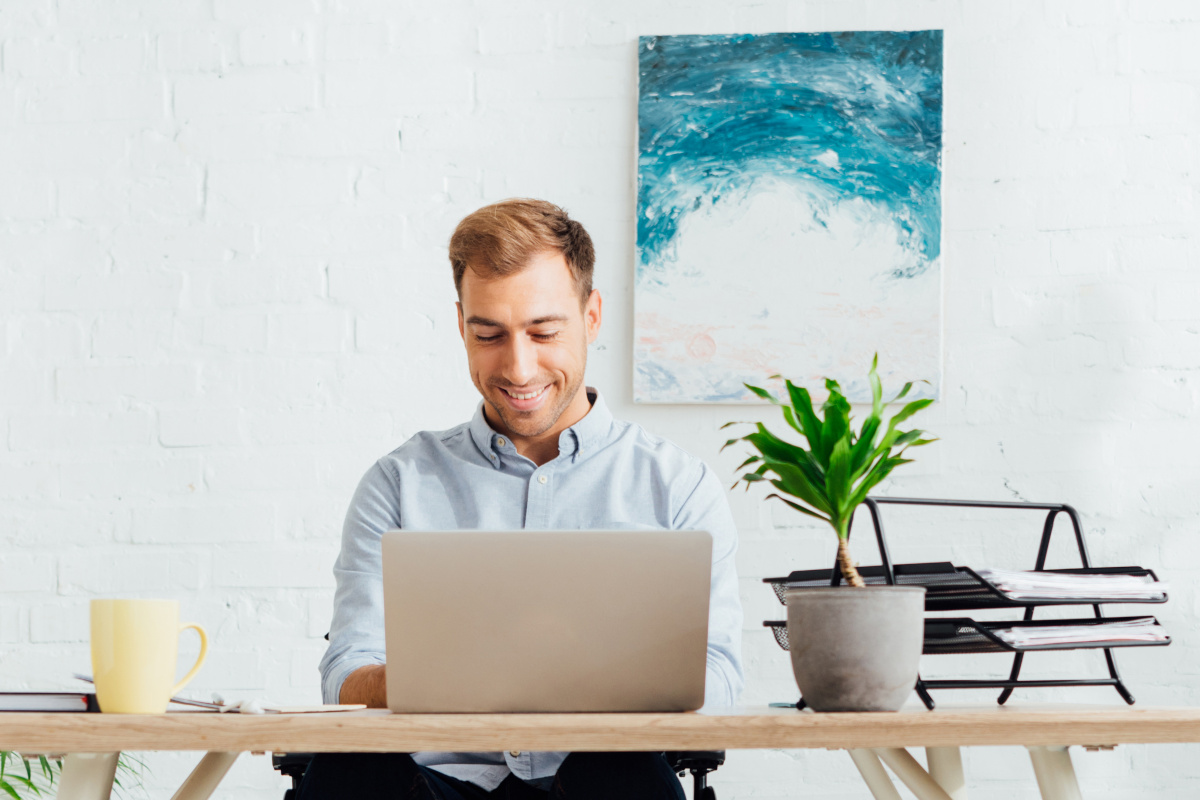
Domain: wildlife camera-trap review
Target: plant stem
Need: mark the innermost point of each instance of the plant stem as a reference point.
(849, 571)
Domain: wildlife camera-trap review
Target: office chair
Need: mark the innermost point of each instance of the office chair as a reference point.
(698, 762)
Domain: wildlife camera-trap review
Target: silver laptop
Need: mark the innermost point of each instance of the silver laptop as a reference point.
(490, 621)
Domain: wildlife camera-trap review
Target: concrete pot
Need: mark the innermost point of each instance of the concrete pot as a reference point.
(856, 649)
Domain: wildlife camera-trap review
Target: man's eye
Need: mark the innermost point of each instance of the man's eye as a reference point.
(486, 338)
(546, 337)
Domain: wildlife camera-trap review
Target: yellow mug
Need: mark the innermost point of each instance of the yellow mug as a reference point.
(135, 648)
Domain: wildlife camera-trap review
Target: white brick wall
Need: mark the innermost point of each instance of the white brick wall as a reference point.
(222, 265)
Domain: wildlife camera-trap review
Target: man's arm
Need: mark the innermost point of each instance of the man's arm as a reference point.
(356, 638)
(366, 685)
(706, 508)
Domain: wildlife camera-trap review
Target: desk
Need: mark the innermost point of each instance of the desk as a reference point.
(871, 738)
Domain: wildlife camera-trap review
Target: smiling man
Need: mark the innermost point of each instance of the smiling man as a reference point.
(543, 452)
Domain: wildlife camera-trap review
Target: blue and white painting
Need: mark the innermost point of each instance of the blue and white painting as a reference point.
(789, 212)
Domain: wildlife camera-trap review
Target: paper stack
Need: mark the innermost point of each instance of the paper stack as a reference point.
(1051, 586)
(1142, 630)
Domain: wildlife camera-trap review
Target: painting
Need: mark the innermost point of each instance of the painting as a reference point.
(788, 213)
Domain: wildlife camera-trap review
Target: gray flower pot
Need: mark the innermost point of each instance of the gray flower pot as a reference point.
(856, 649)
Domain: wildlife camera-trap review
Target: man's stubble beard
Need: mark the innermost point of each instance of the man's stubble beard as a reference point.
(565, 399)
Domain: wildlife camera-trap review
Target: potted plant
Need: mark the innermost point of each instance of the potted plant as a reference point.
(853, 648)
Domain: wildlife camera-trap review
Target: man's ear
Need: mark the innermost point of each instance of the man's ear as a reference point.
(592, 314)
(462, 329)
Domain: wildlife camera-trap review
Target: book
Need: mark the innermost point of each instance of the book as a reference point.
(48, 701)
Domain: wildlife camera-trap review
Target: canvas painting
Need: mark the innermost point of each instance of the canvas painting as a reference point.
(789, 212)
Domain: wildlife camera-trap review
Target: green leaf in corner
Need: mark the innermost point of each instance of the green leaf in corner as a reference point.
(7, 788)
(28, 784)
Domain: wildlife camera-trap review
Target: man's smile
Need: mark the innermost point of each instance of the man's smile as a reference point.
(528, 395)
(525, 399)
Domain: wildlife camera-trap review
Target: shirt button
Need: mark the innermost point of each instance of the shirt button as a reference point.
(542, 479)
(500, 442)
(514, 753)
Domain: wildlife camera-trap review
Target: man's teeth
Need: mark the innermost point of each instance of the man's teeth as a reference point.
(526, 396)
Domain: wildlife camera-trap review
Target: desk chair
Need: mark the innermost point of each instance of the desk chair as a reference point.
(698, 762)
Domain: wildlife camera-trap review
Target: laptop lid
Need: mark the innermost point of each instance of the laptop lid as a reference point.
(492, 621)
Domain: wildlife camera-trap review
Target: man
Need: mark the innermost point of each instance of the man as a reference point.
(542, 452)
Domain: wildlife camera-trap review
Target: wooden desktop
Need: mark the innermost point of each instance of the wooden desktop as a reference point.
(1047, 730)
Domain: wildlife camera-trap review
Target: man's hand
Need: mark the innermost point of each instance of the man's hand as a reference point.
(366, 685)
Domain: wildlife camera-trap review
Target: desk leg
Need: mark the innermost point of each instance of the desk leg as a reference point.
(205, 777)
(1055, 774)
(87, 776)
(945, 767)
(874, 774)
(911, 773)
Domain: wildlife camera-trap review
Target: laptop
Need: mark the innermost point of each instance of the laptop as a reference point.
(524, 621)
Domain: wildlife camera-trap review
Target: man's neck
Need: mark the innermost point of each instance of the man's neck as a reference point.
(542, 448)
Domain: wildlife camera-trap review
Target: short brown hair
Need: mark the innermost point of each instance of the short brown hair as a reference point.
(500, 239)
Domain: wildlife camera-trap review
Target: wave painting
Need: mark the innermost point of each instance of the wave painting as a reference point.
(789, 212)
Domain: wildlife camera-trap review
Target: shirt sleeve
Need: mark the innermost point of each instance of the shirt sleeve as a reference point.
(356, 637)
(707, 509)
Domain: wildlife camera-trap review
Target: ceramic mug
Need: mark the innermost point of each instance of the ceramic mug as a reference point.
(135, 648)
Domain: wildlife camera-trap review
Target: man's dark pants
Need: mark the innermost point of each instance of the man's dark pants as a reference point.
(582, 776)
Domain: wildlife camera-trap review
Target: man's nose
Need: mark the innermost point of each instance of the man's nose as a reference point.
(521, 365)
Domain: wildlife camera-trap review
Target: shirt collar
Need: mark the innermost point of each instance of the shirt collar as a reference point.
(580, 438)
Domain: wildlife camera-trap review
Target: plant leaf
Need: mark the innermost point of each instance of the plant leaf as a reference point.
(790, 417)
(6, 787)
(882, 470)
(798, 507)
(772, 446)
(810, 425)
(796, 483)
(837, 479)
(837, 421)
(763, 393)
(860, 454)
(876, 388)
(747, 462)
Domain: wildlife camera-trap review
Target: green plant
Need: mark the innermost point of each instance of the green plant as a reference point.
(40, 781)
(831, 477)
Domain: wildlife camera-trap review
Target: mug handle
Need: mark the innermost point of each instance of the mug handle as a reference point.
(199, 659)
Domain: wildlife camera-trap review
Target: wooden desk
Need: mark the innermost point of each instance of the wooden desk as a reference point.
(1046, 730)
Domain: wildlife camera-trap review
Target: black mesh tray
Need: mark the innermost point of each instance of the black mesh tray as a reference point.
(951, 588)
(962, 635)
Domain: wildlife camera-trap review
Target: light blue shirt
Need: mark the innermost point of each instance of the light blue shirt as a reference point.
(608, 474)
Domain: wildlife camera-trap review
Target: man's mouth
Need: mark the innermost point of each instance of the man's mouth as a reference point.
(526, 395)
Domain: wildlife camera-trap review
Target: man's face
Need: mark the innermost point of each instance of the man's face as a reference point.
(526, 339)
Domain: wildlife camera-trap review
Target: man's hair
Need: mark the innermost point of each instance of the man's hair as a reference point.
(502, 238)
